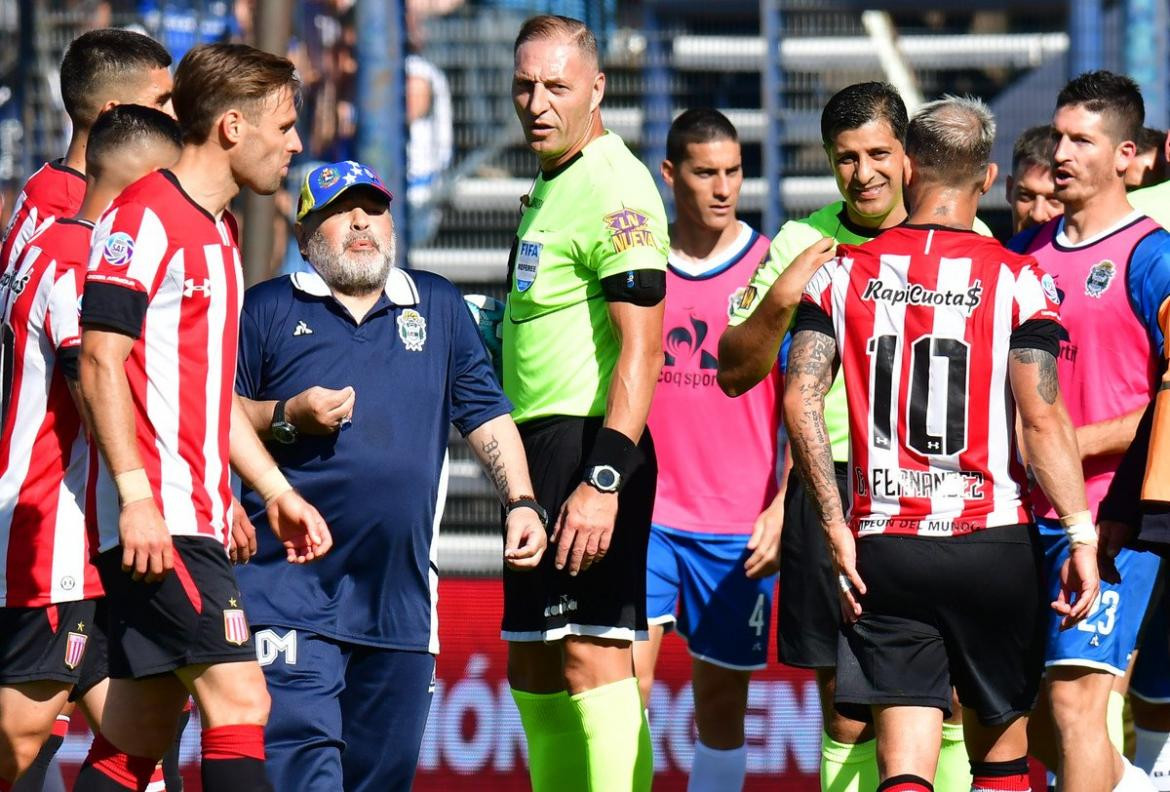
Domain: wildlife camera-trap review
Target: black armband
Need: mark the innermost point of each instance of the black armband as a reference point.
(810, 316)
(114, 307)
(68, 359)
(614, 449)
(641, 287)
(1044, 335)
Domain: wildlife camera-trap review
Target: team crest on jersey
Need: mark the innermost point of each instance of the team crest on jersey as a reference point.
(1100, 276)
(742, 299)
(327, 178)
(235, 626)
(527, 262)
(629, 228)
(412, 329)
(1049, 287)
(118, 249)
(75, 648)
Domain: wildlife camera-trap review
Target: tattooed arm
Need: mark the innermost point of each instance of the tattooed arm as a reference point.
(810, 373)
(1047, 434)
(1050, 443)
(497, 446)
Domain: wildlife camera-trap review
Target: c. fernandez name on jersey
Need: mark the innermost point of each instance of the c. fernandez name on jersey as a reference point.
(902, 483)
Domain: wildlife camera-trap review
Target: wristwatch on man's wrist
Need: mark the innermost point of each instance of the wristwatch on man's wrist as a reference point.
(604, 478)
(280, 428)
(527, 503)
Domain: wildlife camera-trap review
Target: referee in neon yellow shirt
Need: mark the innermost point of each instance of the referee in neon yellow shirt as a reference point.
(582, 351)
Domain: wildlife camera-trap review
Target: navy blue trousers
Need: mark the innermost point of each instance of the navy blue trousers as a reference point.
(344, 716)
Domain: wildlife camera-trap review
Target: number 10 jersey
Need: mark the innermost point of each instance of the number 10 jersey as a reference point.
(924, 318)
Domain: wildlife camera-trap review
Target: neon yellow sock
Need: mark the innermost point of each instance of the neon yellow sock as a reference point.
(617, 738)
(953, 773)
(1115, 720)
(556, 743)
(848, 768)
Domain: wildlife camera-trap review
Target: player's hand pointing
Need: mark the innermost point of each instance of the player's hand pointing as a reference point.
(1079, 584)
(584, 528)
(299, 526)
(850, 586)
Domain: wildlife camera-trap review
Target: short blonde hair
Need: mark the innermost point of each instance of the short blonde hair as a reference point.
(552, 26)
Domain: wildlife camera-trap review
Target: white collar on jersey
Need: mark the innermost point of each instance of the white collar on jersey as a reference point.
(400, 288)
(697, 269)
(1063, 240)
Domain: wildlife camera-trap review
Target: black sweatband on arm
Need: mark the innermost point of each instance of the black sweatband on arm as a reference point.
(611, 447)
(68, 359)
(810, 316)
(642, 287)
(1042, 334)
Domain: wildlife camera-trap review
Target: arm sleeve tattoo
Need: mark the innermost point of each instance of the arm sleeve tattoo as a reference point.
(810, 373)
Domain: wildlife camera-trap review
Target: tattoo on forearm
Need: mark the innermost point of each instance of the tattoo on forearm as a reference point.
(810, 364)
(495, 464)
(1048, 386)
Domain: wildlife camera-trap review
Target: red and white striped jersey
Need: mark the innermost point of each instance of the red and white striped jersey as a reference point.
(924, 318)
(167, 273)
(55, 190)
(44, 552)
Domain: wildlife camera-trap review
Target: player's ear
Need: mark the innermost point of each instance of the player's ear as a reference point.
(907, 171)
(1011, 184)
(299, 233)
(667, 170)
(1123, 155)
(598, 92)
(231, 126)
(989, 178)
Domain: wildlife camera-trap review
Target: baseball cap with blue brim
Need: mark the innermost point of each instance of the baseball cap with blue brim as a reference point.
(323, 184)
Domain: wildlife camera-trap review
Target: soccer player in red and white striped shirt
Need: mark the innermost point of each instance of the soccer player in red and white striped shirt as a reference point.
(101, 68)
(158, 354)
(48, 583)
(942, 336)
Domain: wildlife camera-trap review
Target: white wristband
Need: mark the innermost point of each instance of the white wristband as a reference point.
(1079, 529)
(133, 486)
(271, 484)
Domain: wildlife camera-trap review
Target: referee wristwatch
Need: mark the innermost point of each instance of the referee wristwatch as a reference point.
(280, 428)
(527, 503)
(604, 478)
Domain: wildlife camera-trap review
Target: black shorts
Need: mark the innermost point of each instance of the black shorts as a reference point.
(968, 611)
(194, 616)
(609, 599)
(45, 644)
(810, 612)
(96, 665)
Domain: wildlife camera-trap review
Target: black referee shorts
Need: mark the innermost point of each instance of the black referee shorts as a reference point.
(193, 616)
(810, 612)
(967, 611)
(608, 600)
